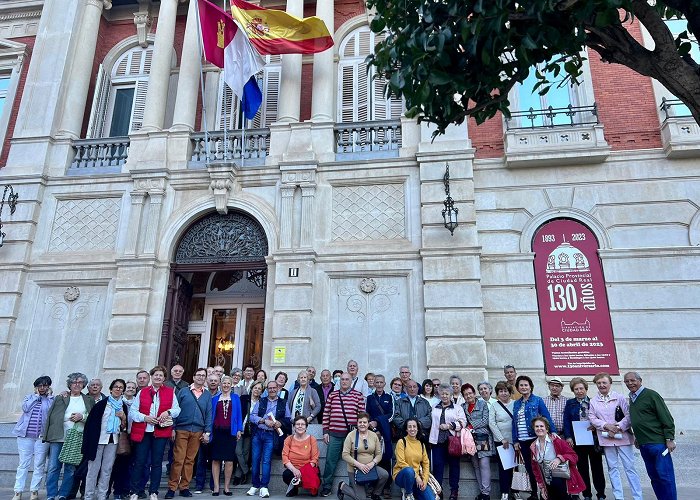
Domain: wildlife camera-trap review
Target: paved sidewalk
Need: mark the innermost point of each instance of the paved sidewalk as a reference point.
(684, 493)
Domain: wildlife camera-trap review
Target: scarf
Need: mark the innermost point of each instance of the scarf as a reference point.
(113, 423)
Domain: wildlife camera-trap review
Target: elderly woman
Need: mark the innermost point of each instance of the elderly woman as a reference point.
(304, 400)
(300, 459)
(362, 451)
(35, 409)
(448, 420)
(100, 438)
(152, 414)
(576, 410)
(610, 415)
(486, 392)
(525, 409)
(476, 412)
(549, 451)
(227, 430)
(119, 482)
(396, 389)
(248, 401)
(66, 412)
(412, 468)
(501, 425)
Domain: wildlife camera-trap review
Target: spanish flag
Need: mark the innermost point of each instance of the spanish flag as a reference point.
(276, 32)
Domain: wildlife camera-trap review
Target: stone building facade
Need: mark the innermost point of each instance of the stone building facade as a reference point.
(316, 235)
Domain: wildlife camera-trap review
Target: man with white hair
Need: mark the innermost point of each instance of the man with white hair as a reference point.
(358, 383)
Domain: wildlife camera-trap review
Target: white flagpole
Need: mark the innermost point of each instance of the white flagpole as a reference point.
(201, 84)
(226, 114)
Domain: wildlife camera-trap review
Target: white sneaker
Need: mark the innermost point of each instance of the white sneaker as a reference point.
(264, 493)
(403, 493)
(409, 496)
(134, 496)
(504, 496)
(154, 496)
(252, 491)
(18, 496)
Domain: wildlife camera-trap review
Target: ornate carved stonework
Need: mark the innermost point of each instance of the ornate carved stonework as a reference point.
(368, 285)
(217, 238)
(222, 182)
(85, 225)
(369, 212)
(71, 294)
(143, 21)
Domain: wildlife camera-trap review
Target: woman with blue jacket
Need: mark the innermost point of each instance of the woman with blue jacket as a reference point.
(525, 409)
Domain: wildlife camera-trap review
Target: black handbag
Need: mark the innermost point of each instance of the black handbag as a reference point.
(364, 477)
(619, 414)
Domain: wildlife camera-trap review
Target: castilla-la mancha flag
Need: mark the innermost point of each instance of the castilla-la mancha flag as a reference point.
(227, 46)
(276, 32)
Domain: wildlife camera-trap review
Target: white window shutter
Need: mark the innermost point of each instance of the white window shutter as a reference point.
(99, 104)
(270, 88)
(139, 107)
(228, 110)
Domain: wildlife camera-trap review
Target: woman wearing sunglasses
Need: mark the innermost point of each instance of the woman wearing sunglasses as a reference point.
(362, 451)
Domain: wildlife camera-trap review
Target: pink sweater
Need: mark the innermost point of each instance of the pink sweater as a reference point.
(602, 412)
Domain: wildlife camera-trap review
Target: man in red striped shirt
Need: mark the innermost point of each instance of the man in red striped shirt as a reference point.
(339, 416)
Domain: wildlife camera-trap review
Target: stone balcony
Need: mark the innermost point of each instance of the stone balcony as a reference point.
(555, 136)
(680, 133)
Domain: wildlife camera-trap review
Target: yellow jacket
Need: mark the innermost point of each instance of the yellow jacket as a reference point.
(412, 453)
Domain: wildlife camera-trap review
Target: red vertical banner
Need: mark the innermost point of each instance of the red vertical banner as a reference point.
(577, 336)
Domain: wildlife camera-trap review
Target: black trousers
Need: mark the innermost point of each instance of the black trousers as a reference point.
(587, 455)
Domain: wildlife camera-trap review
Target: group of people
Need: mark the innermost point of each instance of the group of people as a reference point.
(407, 435)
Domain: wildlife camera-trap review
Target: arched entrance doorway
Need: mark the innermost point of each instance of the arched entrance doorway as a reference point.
(215, 306)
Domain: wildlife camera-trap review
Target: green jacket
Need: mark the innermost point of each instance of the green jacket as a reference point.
(53, 428)
(652, 422)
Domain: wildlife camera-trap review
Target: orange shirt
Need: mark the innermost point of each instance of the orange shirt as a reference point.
(300, 453)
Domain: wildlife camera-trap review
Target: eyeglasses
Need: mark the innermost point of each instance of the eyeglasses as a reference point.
(200, 374)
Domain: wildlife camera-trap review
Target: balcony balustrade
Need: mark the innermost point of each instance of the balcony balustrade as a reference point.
(370, 139)
(97, 156)
(680, 133)
(251, 146)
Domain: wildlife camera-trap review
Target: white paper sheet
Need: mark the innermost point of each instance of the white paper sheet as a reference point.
(582, 435)
(507, 456)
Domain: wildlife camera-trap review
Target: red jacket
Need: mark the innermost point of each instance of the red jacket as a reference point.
(145, 400)
(562, 449)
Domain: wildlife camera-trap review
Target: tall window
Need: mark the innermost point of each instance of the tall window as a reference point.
(530, 109)
(228, 109)
(120, 94)
(360, 95)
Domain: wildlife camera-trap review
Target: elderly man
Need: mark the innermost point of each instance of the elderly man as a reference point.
(654, 432)
(94, 390)
(412, 406)
(556, 403)
(270, 415)
(511, 375)
(324, 389)
(192, 426)
(204, 455)
(357, 382)
(340, 413)
(175, 381)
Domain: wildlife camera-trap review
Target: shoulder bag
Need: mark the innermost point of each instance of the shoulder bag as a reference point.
(71, 450)
(364, 477)
(506, 409)
(521, 479)
(562, 470)
(123, 444)
(349, 427)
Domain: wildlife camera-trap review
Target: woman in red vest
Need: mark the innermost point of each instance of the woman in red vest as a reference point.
(152, 414)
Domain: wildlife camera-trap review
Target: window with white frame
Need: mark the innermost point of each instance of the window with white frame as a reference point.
(360, 95)
(567, 104)
(228, 108)
(119, 101)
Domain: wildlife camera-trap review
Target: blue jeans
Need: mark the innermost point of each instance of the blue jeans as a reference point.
(52, 490)
(406, 479)
(442, 457)
(263, 442)
(150, 446)
(660, 470)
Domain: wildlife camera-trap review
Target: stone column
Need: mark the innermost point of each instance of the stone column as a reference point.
(157, 94)
(81, 69)
(188, 82)
(287, 216)
(308, 195)
(324, 88)
(290, 86)
(137, 199)
(155, 201)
